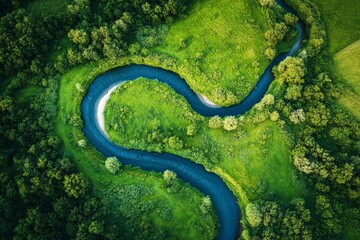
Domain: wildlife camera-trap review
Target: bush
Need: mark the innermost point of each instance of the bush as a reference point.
(112, 164)
(169, 176)
(253, 214)
(230, 123)
(215, 122)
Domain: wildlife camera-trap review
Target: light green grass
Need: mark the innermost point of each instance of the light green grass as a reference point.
(48, 7)
(184, 205)
(223, 46)
(347, 62)
(342, 22)
(347, 67)
(155, 101)
(253, 160)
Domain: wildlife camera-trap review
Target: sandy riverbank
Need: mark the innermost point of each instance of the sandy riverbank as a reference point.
(101, 107)
(207, 102)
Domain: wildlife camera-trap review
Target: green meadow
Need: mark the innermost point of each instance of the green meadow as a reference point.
(254, 159)
(230, 32)
(342, 21)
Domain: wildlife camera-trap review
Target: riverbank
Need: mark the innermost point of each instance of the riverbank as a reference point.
(101, 107)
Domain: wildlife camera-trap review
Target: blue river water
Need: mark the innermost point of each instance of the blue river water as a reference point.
(210, 184)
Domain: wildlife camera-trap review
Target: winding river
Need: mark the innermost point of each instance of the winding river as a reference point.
(225, 203)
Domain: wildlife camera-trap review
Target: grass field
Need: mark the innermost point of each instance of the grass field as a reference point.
(347, 67)
(347, 62)
(226, 32)
(253, 160)
(183, 206)
(342, 22)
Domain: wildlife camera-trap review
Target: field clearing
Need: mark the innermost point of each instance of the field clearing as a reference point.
(342, 22)
(347, 67)
(347, 62)
(226, 32)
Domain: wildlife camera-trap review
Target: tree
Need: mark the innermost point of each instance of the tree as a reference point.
(215, 122)
(75, 185)
(297, 116)
(96, 227)
(112, 164)
(82, 143)
(253, 214)
(6, 104)
(169, 176)
(191, 130)
(79, 87)
(274, 116)
(230, 123)
(290, 19)
(175, 142)
(205, 204)
(292, 70)
(266, 3)
(318, 115)
(293, 92)
(270, 53)
(78, 36)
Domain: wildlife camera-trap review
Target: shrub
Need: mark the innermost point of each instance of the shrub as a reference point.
(253, 214)
(230, 123)
(112, 164)
(169, 176)
(215, 122)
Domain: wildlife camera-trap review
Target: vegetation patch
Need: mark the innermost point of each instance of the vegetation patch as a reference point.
(220, 31)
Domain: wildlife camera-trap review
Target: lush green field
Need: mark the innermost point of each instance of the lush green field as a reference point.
(254, 159)
(347, 62)
(138, 196)
(342, 22)
(226, 32)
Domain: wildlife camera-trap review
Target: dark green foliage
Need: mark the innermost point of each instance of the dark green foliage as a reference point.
(279, 26)
(269, 220)
(41, 194)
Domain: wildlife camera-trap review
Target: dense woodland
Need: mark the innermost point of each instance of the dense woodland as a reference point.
(44, 196)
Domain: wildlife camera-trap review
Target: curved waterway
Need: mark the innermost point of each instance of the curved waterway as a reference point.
(225, 203)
